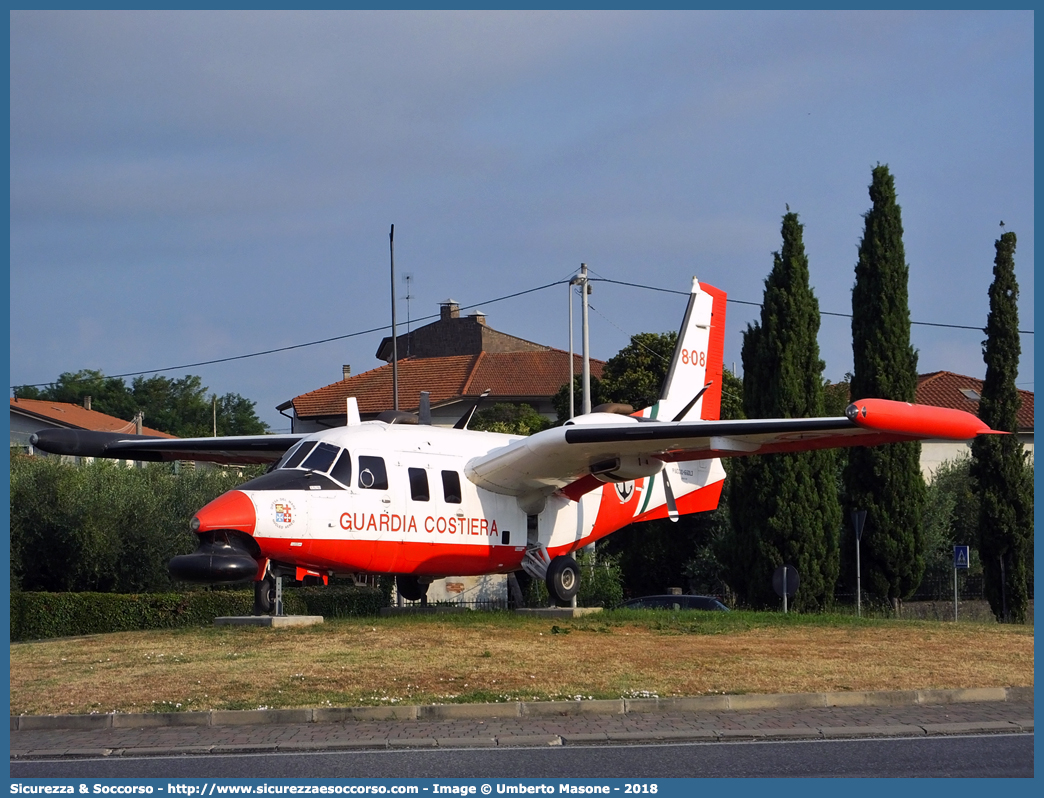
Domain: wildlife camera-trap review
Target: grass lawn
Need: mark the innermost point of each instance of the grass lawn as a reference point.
(476, 657)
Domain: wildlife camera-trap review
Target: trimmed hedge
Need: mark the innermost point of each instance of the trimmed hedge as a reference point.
(43, 615)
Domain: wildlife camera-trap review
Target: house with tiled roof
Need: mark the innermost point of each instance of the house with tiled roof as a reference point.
(455, 360)
(946, 389)
(32, 415)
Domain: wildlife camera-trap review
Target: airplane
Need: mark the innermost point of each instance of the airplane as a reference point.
(423, 502)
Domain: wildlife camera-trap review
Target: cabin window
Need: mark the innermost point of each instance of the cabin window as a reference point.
(451, 487)
(372, 474)
(295, 457)
(342, 470)
(419, 485)
(321, 458)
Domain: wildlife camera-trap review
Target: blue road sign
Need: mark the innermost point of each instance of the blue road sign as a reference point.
(960, 556)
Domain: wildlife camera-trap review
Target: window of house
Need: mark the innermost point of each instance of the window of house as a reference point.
(451, 487)
(372, 474)
(419, 485)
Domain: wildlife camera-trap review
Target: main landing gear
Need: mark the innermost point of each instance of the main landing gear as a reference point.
(561, 574)
(563, 580)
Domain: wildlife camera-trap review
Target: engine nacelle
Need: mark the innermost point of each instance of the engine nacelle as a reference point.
(626, 469)
(218, 559)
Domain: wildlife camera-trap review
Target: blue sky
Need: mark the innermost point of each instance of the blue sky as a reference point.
(187, 186)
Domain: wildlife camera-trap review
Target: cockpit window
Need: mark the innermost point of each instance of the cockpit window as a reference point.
(321, 458)
(295, 456)
(342, 470)
(372, 473)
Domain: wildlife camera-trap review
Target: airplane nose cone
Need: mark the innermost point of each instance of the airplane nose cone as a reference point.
(232, 510)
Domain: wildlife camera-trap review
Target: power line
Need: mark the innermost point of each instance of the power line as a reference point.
(301, 346)
(466, 307)
(822, 312)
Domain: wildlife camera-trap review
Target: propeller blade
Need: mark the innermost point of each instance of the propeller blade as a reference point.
(685, 410)
(672, 506)
(465, 419)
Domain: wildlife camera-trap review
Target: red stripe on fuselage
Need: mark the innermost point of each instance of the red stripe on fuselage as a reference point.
(394, 556)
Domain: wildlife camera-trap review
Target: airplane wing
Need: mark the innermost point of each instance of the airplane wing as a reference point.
(234, 450)
(601, 444)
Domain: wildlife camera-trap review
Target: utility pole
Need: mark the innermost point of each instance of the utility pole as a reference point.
(572, 405)
(395, 343)
(213, 399)
(585, 290)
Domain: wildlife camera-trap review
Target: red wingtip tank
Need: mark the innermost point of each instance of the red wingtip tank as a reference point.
(917, 421)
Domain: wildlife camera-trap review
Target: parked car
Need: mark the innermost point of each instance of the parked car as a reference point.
(673, 602)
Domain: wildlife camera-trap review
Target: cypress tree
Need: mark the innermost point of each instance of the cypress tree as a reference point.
(785, 507)
(886, 480)
(1005, 494)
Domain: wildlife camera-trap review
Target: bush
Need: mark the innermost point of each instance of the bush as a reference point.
(601, 583)
(43, 615)
(101, 526)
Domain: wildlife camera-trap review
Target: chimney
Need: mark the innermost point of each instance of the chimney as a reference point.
(449, 309)
(86, 403)
(479, 317)
(346, 372)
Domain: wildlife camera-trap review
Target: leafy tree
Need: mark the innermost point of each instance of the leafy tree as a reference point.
(784, 507)
(836, 398)
(1005, 518)
(950, 518)
(635, 375)
(886, 480)
(103, 527)
(109, 395)
(560, 401)
(178, 406)
(731, 396)
(520, 419)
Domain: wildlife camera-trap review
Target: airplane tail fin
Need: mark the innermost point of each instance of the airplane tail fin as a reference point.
(692, 389)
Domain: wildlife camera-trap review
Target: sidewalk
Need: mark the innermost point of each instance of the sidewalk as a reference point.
(705, 718)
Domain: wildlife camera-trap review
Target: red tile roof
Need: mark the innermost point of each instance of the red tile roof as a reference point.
(510, 376)
(943, 389)
(76, 417)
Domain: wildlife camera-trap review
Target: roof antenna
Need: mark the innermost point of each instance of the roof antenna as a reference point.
(407, 278)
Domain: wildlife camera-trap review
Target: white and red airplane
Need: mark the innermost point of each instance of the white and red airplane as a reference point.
(423, 502)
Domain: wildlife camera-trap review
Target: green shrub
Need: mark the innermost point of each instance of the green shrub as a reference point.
(44, 615)
(601, 583)
(104, 527)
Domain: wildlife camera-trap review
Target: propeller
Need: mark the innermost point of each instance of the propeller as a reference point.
(685, 410)
(672, 505)
(464, 420)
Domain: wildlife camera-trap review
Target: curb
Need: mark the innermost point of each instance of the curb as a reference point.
(548, 740)
(531, 709)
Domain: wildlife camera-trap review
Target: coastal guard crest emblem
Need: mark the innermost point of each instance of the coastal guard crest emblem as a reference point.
(624, 491)
(283, 512)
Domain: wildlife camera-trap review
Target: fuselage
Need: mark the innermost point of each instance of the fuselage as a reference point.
(380, 498)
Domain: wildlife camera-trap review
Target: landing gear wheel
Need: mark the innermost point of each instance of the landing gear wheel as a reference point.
(410, 587)
(265, 595)
(563, 580)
